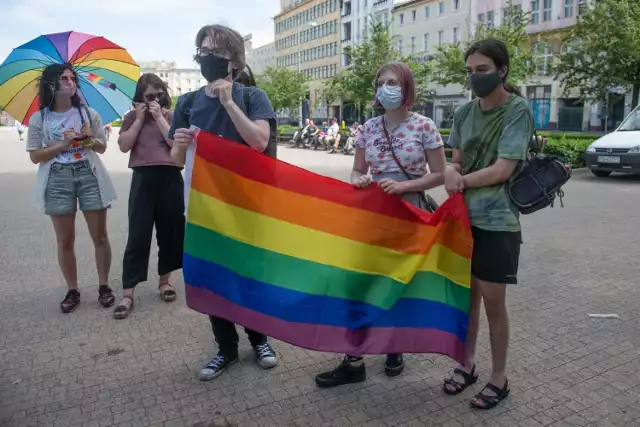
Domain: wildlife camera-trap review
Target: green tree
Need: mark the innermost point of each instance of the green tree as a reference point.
(449, 60)
(286, 88)
(603, 51)
(330, 93)
(355, 82)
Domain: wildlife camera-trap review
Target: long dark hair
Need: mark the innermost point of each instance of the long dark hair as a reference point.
(50, 83)
(497, 51)
(246, 77)
(149, 79)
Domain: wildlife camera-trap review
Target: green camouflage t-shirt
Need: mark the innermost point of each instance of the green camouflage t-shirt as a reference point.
(484, 136)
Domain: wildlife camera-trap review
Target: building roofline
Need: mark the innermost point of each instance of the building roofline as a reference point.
(408, 4)
(290, 8)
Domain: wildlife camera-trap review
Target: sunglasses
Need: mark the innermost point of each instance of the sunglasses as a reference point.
(151, 97)
(220, 53)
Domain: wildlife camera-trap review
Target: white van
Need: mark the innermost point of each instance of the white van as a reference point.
(618, 151)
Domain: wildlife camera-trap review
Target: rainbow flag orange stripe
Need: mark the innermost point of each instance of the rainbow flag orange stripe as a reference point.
(319, 264)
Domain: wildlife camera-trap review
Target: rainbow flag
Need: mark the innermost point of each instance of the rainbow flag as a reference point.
(313, 261)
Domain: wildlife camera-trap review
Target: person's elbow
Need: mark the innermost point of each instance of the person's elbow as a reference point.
(33, 156)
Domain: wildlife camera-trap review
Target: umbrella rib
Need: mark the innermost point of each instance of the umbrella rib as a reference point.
(18, 93)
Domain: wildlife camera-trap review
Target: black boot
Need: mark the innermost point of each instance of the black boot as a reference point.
(394, 365)
(345, 373)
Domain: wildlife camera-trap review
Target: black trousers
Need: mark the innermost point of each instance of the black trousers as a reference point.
(156, 198)
(227, 337)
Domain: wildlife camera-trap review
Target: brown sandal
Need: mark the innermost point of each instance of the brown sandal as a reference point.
(122, 311)
(167, 295)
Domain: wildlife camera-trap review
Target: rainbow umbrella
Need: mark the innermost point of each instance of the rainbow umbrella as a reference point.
(107, 75)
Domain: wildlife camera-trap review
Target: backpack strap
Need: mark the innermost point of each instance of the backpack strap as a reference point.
(187, 105)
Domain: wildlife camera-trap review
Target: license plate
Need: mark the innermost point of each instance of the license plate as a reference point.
(608, 159)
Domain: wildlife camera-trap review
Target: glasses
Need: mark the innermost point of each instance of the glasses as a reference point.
(150, 97)
(68, 79)
(220, 53)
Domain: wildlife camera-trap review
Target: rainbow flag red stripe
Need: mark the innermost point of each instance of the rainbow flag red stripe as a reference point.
(319, 264)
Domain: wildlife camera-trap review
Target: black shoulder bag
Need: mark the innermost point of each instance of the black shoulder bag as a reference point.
(430, 204)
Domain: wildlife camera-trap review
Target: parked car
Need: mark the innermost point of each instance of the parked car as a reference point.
(618, 151)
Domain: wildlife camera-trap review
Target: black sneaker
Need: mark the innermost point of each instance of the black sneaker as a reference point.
(216, 367)
(345, 373)
(266, 356)
(394, 365)
(70, 301)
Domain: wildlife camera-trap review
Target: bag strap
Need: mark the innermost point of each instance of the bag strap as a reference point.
(246, 96)
(395, 158)
(187, 104)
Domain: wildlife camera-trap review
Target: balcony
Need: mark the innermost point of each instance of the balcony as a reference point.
(379, 3)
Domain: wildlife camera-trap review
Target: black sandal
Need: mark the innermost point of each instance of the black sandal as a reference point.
(106, 298)
(168, 295)
(489, 402)
(469, 378)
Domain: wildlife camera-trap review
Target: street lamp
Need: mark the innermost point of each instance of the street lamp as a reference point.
(299, 42)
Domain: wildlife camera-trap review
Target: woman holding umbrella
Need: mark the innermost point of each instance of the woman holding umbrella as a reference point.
(63, 139)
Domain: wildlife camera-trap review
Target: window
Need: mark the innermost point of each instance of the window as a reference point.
(456, 34)
(542, 57)
(441, 8)
(427, 12)
(535, 12)
(413, 15)
(400, 46)
(401, 18)
(582, 6)
(440, 37)
(481, 18)
(456, 5)
(547, 10)
(413, 45)
(426, 42)
(570, 45)
(490, 19)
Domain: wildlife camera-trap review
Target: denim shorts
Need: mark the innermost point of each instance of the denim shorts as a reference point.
(70, 185)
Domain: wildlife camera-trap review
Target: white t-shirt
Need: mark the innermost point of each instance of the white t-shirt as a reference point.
(57, 124)
(334, 129)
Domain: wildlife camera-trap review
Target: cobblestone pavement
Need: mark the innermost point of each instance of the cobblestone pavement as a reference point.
(88, 370)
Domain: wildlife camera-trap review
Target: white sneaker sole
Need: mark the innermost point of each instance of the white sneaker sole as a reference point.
(207, 374)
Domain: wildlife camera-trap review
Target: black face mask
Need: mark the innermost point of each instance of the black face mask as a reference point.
(214, 68)
(482, 85)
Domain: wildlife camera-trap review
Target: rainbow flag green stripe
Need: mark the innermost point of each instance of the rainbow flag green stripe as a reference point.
(317, 279)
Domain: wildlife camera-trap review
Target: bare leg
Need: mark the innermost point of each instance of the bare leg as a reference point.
(64, 226)
(472, 333)
(97, 224)
(494, 296)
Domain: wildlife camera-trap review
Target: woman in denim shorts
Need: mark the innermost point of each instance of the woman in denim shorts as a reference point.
(63, 139)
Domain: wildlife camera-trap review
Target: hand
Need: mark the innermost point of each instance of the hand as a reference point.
(183, 137)
(86, 131)
(453, 181)
(69, 139)
(362, 181)
(390, 186)
(156, 110)
(141, 109)
(222, 89)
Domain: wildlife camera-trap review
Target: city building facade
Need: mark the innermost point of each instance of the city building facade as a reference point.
(179, 80)
(261, 58)
(307, 39)
(550, 21)
(355, 21)
(418, 28)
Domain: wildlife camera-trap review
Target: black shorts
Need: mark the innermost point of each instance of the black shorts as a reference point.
(495, 255)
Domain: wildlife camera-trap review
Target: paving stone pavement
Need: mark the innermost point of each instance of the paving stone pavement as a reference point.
(86, 369)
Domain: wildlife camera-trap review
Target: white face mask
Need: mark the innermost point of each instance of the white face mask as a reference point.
(389, 96)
